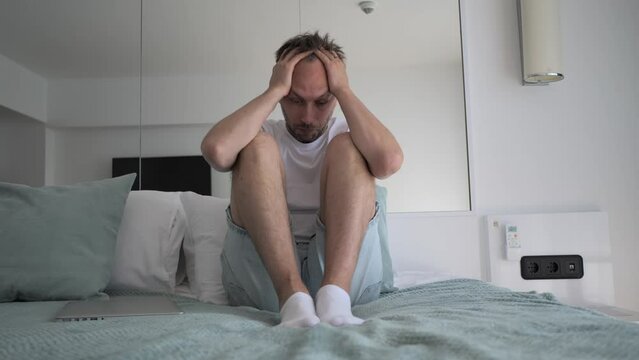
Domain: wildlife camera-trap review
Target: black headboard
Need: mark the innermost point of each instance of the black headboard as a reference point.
(172, 173)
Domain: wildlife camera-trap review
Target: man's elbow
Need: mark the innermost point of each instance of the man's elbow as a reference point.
(215, 155)
(388, 165)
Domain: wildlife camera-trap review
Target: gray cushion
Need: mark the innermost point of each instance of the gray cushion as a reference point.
(58, 242)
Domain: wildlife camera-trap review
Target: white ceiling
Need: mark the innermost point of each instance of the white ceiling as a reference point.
(72, 38)
(101, 38)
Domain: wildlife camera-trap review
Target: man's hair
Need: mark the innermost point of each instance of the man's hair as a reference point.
(308, 41)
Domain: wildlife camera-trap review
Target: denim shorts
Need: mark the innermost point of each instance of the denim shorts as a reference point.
(247, 282)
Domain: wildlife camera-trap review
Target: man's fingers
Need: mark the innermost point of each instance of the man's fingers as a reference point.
(326, 55)
(294, 55)
(299, 56)
(322, 55)
(288, 53)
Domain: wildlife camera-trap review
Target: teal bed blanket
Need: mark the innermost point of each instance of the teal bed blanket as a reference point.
(455, 319)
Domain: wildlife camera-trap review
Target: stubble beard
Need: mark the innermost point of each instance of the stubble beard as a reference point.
(314, 133)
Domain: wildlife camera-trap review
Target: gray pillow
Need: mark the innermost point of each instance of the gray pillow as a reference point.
(58, 242)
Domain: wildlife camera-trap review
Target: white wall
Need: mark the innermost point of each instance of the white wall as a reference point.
(77, 154)
(22, 152)
(84, 154)
(85, 102)
(570, 146)
(22, 90)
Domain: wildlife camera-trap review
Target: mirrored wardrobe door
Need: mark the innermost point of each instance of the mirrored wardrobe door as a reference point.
(201, 60)
(404, 61)
(70, 95)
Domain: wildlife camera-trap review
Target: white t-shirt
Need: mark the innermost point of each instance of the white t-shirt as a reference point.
(303, 164)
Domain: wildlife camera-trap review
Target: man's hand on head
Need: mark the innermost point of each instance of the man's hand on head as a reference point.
(335, 71)
(283, 70)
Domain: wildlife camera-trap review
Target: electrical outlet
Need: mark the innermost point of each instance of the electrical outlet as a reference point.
(552, 267)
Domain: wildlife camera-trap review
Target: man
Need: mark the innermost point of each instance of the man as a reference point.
(309, 169)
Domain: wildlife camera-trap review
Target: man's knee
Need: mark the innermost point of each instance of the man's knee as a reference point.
(342, 141)
(262, 145)
(342, 154)
(342, 148)
(261, 156)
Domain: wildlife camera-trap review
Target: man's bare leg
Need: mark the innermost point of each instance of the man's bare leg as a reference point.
(347, 206)
(258, 204)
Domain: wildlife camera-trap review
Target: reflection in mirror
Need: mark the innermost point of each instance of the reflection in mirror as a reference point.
(203, 60)
(69, 95)
(405, 63)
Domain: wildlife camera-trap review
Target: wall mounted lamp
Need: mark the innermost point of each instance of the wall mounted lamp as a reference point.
(540, 41)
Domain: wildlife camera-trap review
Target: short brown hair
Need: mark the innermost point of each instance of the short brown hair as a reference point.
(310, 41)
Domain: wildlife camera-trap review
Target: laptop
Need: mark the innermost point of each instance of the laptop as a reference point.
(117, 306)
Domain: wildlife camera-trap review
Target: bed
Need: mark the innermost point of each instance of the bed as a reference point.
(458, 318)
(101, 239)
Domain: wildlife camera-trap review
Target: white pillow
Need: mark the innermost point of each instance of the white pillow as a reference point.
(149, 239)
(206, 218)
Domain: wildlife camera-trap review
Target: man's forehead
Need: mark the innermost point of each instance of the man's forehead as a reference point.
(309, 79)
(324, 96)
(310, 64)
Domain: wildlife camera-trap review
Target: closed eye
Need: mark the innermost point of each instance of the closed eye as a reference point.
(324, 100)
(295, 100)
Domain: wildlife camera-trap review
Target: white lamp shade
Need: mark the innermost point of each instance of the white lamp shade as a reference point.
(540, 41)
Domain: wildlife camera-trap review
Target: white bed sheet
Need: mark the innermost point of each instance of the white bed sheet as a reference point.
(406, 279)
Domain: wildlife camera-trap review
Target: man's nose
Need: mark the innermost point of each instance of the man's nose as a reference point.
(309, 115)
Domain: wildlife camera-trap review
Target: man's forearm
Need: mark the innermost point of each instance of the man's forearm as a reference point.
(378, 146)
(228, 137)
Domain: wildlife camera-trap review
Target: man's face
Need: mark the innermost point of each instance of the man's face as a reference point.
(309, 105)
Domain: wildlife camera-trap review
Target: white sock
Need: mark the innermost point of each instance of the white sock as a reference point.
(299, 311)
(333, 305)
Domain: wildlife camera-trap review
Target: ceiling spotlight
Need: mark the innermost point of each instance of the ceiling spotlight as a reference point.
(367, 6)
